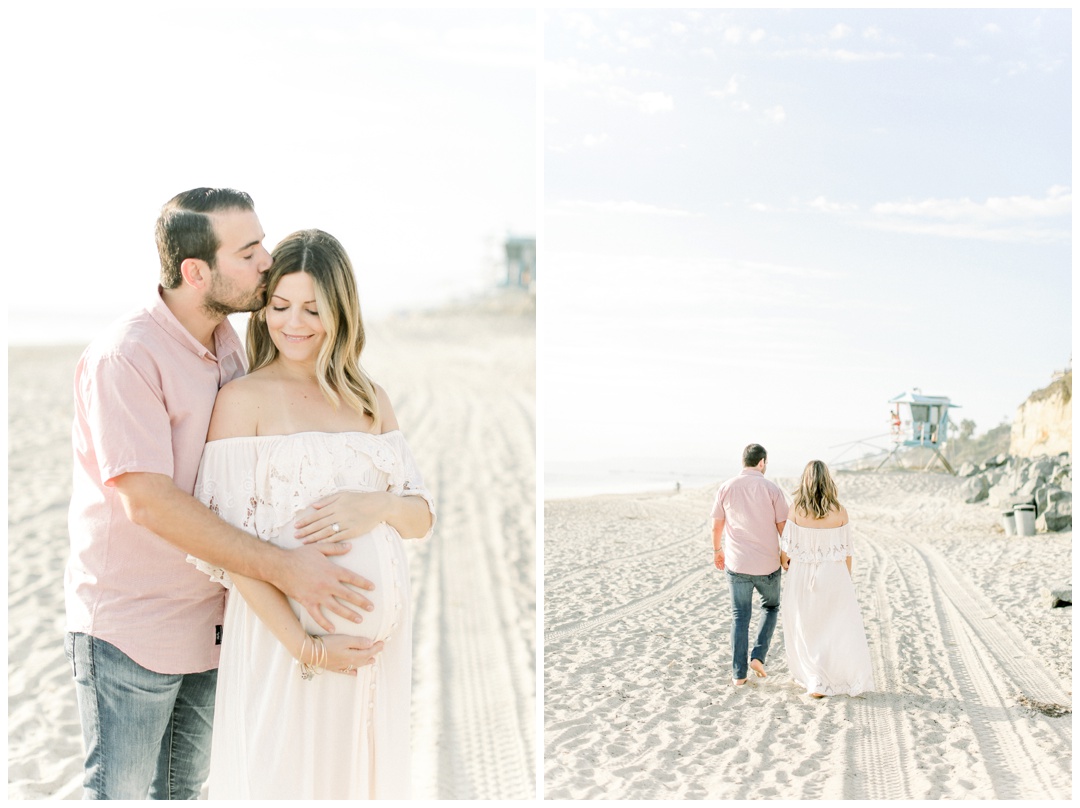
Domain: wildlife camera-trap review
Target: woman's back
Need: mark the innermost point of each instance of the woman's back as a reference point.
(836, 517)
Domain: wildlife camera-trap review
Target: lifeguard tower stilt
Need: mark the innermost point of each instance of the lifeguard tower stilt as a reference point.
(921, 421)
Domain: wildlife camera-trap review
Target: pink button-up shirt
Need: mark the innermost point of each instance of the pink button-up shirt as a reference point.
(751, 507)
(144, 392)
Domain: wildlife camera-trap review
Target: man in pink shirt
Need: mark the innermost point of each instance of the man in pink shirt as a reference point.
(143, 625)
(750, 513)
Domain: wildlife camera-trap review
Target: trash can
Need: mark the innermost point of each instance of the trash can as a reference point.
(1025, 520)
(1008, 523)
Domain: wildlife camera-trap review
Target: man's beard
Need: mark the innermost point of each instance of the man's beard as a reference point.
(218, 305)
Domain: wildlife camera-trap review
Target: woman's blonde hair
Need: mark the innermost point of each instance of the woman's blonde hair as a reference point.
(816, 494)
(337, 366)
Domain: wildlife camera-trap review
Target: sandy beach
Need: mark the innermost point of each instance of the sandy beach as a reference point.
(972, 669)
(463, 386)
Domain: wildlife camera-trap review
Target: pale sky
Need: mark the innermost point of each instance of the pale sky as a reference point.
(760, 225)
(410, 135)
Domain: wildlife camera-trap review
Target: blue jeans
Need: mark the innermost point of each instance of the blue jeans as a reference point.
(742, 595)
(145, 733)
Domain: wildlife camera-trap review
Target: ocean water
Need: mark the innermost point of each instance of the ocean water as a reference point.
(570, 479)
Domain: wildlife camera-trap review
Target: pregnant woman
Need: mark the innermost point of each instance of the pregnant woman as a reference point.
(300, 715)
(824, 639)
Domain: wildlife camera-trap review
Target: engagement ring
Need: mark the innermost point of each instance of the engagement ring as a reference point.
(335, 527)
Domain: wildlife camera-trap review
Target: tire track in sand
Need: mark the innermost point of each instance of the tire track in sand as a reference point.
(882, 748)
(673, 589)
(984, 665)
(474, 700)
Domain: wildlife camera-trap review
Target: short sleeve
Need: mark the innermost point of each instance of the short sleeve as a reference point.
(407, 481)
(226, 485)
(780, 505)
(718, 505)
(126, 416)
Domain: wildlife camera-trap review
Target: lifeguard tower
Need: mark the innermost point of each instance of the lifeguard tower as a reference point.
(521, 262)
(920, 421)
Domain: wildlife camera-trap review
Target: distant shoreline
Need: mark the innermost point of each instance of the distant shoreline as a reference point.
(59, 329)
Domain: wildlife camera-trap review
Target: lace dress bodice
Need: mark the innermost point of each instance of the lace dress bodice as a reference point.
(260, 483)
(815, 545)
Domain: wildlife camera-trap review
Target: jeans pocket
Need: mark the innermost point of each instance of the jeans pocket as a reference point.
(80, 650)
(69, 651)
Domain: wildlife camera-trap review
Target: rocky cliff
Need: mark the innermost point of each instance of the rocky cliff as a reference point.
(1043, 424)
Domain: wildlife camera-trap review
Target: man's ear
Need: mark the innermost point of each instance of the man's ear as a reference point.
(196, 272)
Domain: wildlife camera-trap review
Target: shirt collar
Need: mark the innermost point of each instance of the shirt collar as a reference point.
(751, 470)
(225, 339)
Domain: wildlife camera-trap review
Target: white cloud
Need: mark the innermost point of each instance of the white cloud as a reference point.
(792, 271)
(580, 24)
(872, 33)
(992, 28)
(840, 54)
(634, 40)
(1015, 68)
(652, 103)
(591, 141)
(574, 206)
(731, 88)
(1057, 202)
(1011, 235)
(708, 53)
(677, 28)
(843, 55)
(825, 206)
(776, 114)
(1003, 219)
(757, 35)
(572, 72)
(733, 35)
(840, 31)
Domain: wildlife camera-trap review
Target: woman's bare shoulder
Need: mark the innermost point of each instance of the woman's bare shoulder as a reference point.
(237, 407)
(387, 419)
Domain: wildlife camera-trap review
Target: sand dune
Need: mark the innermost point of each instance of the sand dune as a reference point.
(638, 701)
(463, 387)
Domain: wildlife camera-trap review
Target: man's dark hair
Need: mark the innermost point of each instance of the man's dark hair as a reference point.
(184, 230)
(753, 454)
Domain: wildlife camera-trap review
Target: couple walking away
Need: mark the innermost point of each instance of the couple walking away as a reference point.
(264, 486)
(755, 535)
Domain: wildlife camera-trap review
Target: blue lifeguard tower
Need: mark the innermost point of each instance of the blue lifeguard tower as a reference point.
(920, 421)
(521, 262)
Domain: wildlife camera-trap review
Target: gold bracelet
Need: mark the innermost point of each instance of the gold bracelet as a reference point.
(308, 670)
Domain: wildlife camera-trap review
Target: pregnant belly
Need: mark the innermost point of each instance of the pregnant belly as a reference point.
(378, 557)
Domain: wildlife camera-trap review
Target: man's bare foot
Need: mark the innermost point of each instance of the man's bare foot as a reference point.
(738, 681)
(757, 667)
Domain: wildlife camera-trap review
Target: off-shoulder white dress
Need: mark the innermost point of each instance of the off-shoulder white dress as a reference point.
(276, 735)
(824, 638)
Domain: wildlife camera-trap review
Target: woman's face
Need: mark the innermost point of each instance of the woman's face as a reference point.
(292, 318)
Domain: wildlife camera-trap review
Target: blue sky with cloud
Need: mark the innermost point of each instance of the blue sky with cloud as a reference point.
(759, 225)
